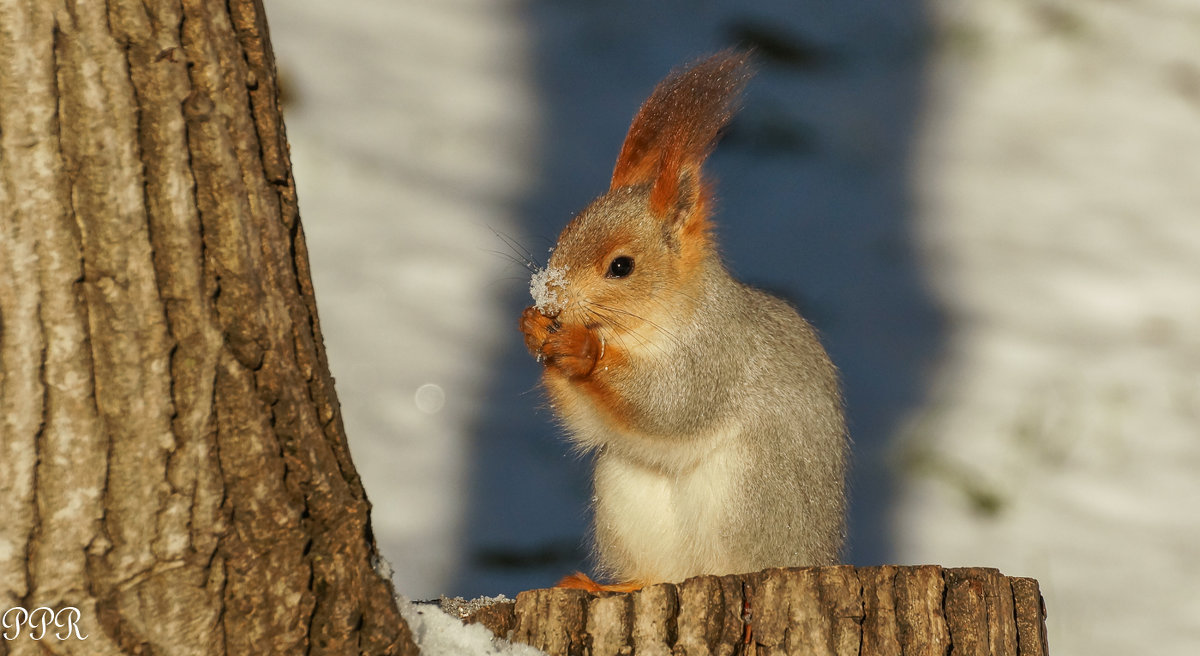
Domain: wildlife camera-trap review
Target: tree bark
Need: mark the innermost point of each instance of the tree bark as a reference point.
(172, 457)
(842, 611)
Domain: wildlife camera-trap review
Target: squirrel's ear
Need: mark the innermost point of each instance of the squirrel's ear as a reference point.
(676, 129)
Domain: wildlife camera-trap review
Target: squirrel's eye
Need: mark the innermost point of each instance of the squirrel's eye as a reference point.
(620, 267)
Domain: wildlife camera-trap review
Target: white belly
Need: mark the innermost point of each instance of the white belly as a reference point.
(658, 526)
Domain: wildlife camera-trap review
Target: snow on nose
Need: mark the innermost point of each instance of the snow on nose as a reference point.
(548, 289)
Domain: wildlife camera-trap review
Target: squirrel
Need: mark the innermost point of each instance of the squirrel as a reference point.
(714, 414)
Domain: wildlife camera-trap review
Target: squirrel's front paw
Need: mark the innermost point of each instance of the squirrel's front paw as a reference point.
(573, 350)
(536, 327)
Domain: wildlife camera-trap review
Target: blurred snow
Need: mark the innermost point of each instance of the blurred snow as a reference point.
(989, 210)
(1060, 225)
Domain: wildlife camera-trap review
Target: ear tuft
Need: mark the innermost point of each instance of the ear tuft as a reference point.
(677, 127)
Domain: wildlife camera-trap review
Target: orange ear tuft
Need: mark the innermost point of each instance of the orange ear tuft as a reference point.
(677, 127)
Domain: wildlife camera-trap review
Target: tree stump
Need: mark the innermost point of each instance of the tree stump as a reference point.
(842, 610)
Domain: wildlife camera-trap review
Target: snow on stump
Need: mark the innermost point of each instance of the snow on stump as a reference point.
(842, 610)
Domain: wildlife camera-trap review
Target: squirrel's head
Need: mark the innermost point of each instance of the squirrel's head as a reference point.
(631, 257)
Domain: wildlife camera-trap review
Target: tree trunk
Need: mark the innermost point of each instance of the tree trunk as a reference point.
(842, 611)
(172, 457)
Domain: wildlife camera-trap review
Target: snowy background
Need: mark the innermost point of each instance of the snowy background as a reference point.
(990, 209)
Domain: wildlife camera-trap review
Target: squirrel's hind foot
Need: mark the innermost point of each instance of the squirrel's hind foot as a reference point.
(581, 581)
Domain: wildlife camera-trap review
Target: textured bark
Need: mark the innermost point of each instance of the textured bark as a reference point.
(868, 611)
(172, 457)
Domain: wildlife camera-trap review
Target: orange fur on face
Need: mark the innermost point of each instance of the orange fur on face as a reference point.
(595, 389)
(610, 247)
(599, 388)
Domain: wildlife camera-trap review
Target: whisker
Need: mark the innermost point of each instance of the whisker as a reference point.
(610, 318)
(531, 390)
(625, 327)
(656, 326)
(618, 338)
(602, 318)
(521, 262)
(522, 254)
